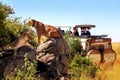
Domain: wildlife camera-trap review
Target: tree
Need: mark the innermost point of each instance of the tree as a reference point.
(10, 27)
(5, 11)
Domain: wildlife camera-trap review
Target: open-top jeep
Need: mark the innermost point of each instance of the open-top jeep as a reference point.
(97, 47)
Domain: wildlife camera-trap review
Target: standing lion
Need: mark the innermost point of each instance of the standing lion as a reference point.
(47, 31)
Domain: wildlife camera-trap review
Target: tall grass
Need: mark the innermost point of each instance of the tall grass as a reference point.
(81, 68)
(112, 72)
(109, 73)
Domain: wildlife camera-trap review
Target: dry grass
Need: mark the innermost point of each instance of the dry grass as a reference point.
(116, 47)
(111, 73)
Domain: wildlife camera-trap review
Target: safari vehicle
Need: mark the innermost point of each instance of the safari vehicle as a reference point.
(97, 47)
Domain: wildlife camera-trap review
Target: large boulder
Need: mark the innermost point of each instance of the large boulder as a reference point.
(6, 58)
(13, 55)
(9, 61)
(54, 52)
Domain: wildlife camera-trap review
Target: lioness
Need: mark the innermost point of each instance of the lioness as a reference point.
(45, 30)
(22, 40)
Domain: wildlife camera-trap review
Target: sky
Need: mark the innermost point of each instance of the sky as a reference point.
(105, 14)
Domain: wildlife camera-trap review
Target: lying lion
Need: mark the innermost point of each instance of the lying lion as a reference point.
(22, 40)
(47, 31)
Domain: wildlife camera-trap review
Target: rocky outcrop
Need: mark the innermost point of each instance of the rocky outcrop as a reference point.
(6, 58)
(52, 57)
(13, 55)
(9, 61)
(54, 52)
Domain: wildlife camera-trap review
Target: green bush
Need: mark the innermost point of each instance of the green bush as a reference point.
(10, 27)
(5, 11)
(81, 65)
(74, 44)
(28, 71)
(34, 43)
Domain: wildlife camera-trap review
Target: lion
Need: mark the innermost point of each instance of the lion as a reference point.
(45, 30)
(22, 40)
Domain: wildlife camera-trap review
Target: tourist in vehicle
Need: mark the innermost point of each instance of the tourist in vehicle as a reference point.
(85, 32)
(75, 32)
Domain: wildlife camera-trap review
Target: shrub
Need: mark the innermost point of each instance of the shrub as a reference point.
(28, 71)
(81, 65)
(74, 44)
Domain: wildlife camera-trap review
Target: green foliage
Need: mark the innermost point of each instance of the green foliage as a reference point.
(4, 13)
(14, 26)
(4, 37)
(74, 45)
(34, 43)
(66, 36)
(81, 65)
(27, 73)
(10, 28)
(28, 70)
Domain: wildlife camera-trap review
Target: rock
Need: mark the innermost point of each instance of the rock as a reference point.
(54, 52)
(9, 61)
(27, 50)
(19, 57)
(13, 55)
(5, 60)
